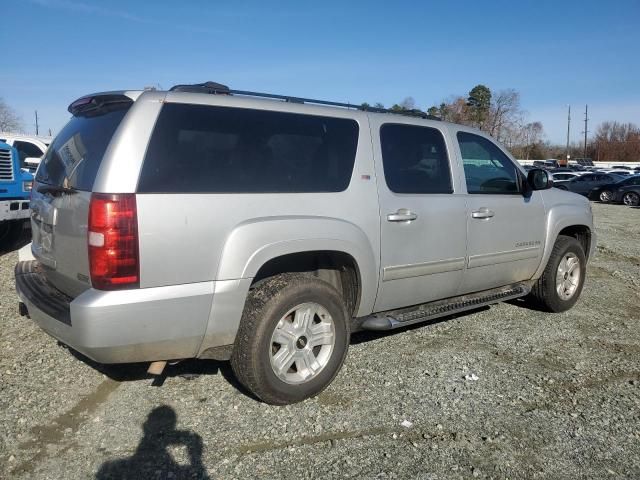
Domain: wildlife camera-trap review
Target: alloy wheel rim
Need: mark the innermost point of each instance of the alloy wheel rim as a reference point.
(568, 276)
(631, 199)
(302, 343)
(605, 196)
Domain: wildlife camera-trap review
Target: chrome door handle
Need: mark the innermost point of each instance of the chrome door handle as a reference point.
(483, 213)
(402, 215)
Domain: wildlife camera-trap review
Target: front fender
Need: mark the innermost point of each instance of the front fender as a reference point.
(568, 212)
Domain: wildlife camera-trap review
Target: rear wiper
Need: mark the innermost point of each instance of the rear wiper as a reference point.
(56, 190)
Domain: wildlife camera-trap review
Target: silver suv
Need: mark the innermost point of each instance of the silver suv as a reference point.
(211, 223)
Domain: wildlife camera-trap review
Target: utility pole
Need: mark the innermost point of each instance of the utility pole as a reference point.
(586, 120)
(37, 122)
(568, 131)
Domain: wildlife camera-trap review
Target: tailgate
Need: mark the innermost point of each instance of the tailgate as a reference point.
(62, 193)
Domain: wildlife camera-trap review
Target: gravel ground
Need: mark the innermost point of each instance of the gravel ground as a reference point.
(556, 396)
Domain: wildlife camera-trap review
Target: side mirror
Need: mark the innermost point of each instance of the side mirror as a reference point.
(539, 179)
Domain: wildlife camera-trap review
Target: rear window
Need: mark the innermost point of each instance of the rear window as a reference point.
(204, 149)
(74, 157)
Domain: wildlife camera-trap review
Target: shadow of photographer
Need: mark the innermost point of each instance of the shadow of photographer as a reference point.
(152, 458)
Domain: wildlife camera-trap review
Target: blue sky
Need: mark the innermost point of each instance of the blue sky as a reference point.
(554, 53)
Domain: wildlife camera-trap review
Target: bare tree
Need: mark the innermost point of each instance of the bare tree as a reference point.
(505, 115)
(9, 119)
(616, 142)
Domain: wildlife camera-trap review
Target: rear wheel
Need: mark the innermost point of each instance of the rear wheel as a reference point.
(560, 285)
(292, 340)
(631, 198)
(605, 196)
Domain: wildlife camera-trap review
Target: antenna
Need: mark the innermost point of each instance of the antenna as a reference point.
(37, 128)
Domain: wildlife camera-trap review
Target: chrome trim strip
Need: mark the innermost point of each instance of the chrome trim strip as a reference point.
(502, 257)
(397, 272)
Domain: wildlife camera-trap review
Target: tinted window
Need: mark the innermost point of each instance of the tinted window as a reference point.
(414, 159)
(486, 168)
(197, 148)
(75, 155)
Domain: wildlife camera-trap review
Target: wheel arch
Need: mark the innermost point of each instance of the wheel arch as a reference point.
(572, 221)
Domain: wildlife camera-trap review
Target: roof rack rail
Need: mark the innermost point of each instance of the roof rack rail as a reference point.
(220, 89)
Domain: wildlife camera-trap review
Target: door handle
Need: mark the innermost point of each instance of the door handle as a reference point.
(483, 213)
(402, 215)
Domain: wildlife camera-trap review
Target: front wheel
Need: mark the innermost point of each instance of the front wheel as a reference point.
(631, 198)
(292, 340)
(560, 285)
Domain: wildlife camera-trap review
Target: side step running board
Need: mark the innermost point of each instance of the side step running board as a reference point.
(441, 308)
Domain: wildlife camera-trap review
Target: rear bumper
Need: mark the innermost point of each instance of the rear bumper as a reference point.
(14, 209)
(147, 324)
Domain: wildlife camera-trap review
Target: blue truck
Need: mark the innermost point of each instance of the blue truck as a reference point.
(15, 190)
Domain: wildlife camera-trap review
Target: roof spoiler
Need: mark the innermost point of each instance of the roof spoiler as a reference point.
(97, 102)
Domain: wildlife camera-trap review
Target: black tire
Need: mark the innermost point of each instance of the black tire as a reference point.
(544, 292)
(10, 233)
(631, 199)
(266, 305)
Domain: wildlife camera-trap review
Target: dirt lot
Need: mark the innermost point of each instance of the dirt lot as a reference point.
(557, 396)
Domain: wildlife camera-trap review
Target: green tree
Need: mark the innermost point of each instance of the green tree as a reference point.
(479, 103)
(433, 111)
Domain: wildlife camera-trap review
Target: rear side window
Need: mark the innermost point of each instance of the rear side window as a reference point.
(415, 159)
(74, 157)
(204, 149)
(486, 168)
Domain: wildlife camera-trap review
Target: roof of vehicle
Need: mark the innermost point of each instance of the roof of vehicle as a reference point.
(22, 136)
(218, 89)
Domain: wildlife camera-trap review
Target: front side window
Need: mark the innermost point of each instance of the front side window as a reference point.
(205, 149)
(486, 168)
(415, 159)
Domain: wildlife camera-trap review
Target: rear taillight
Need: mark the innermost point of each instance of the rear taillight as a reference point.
(113, 241)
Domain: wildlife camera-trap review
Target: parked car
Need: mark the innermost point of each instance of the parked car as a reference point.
(613, 192)
(587, 182)
(30, 148)
(212, 223)
(623, 173)
(15, 188)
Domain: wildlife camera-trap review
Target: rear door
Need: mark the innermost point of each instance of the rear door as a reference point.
(505, 229)
(62, 192)
(423, 230)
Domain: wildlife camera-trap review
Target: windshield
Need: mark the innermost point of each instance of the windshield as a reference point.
(74, 157)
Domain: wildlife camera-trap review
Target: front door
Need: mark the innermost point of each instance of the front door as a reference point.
(505, 229)
(423, 229)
